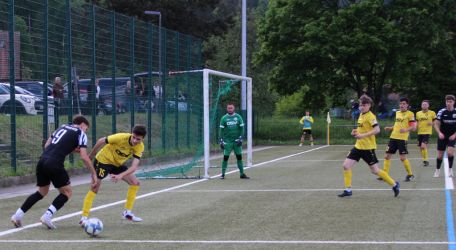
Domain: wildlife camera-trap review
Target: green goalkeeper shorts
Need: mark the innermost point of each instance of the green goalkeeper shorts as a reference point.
(229, 146)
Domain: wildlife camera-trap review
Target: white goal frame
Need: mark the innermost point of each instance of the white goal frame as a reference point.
(206, 129)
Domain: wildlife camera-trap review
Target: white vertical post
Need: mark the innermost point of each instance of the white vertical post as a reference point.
(249, 123)
(206, 122)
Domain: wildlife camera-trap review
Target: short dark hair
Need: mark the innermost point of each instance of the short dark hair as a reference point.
(80, 119)
(365, 99)
(139, 130)
(404, 99)
(450, 97)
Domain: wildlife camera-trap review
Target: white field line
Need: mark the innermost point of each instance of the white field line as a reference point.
(448, 180)
(258, 242)
(298, 190)
(15, 230)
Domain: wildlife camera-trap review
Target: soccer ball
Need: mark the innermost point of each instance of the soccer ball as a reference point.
(93, 226)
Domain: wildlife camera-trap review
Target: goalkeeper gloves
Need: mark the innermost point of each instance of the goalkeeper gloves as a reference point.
(238, 141)
(222, 144)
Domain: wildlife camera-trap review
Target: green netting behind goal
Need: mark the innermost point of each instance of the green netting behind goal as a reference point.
(183, 123)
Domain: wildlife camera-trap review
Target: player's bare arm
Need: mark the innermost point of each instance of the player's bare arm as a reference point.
(437, 129)
(100, 143)
(134, 166)
(374, 131)
(88, 163)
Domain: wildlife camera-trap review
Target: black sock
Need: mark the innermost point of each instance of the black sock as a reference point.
(31, 200)
(450, 161)
(439, 163)
(59, 201)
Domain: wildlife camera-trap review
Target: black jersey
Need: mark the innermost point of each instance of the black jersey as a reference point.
(64, 140)
(447, 121)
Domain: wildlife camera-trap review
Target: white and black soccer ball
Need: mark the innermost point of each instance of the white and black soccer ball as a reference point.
(93, 226)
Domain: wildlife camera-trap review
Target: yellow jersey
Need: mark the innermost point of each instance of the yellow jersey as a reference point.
(118, 150)
(423, 119)
(366, 122)
(403, 120)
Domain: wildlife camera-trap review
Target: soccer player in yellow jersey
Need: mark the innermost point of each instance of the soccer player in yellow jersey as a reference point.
(115, 150)
(405, 122)
(425, 119)
(306, 122)
(365, 148)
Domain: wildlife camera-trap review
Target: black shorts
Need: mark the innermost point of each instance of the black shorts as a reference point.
(443, 144)
(395, 144)
(48, 170)
(423, 139)
(306, 131)
(367, 155)
(103, 170)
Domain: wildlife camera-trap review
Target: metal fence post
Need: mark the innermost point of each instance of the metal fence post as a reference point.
(12, 84)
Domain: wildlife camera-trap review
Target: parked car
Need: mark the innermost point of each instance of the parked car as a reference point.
(35, 87)
(26, 103)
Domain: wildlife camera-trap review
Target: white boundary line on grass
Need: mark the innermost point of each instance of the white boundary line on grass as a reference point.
(15, 230)
(278, 242)
(298, 190)
(448, 180)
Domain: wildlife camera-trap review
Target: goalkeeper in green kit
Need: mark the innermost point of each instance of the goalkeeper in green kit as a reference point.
(231, 131)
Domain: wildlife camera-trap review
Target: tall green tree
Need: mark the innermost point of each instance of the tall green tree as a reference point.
(361, 46)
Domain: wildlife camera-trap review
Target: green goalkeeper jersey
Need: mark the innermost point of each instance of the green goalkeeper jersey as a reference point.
(231, 127)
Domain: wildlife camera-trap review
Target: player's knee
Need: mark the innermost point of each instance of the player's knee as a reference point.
(402, 157)
(226, 157)
(239, 157)
(67, 192)
(135, 182)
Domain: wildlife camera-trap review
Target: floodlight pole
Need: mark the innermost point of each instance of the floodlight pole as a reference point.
(158, 13)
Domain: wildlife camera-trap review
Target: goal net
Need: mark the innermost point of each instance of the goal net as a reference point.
(194, 102)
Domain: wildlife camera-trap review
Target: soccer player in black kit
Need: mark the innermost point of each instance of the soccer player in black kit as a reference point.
(50, 168)
(445, 125)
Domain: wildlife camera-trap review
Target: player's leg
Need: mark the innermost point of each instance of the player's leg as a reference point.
(43, 182)
(387, 178)
(402, 145)
(450, 153)
(311, 138)
(351, 159)
(303, 135)
(102, 171)
(226, 156)
(61, 181)
(240, 165)
(133, 188)
(391, 149)
(423, 141)
(441, 147)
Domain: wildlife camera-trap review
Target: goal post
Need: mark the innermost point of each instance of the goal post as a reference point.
(206, 85)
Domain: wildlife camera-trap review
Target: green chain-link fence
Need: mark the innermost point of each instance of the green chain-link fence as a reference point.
(60, 51)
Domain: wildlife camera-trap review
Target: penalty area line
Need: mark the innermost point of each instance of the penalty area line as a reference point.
(264, 242)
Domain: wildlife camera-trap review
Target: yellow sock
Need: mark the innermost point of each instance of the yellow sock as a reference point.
(131, 196)
(386, 165)
(88, 203)
(407, 166)
(424, 154)
(348, 178)
(385, 176)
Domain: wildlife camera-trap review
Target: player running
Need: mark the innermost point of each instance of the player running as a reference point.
(50, 168)
(425, 119)
(405, 122)
(115, 150)
(445, 125)
(306, 122)
(365, 148)
(231, 131)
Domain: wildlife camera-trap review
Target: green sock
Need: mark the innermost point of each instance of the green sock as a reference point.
(240, 166)
(224, 166)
